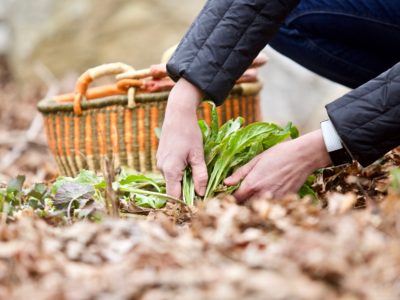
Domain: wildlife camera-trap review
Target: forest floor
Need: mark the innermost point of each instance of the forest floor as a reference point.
(346, 246)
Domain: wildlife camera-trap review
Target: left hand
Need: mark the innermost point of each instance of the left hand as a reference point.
(281, 169)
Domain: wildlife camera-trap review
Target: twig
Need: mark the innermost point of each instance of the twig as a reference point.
(111, 196)
(37, 123)
(22, 145)
(134, 216)
(11, 137)
(369, 203)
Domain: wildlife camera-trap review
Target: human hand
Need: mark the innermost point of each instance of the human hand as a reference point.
(281, 169)
(181, 140)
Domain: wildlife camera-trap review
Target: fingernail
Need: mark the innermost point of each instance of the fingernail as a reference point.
(228, 181)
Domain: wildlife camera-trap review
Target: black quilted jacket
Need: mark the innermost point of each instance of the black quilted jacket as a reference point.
(228, 34)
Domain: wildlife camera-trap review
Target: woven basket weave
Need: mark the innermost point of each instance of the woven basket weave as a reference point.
(120, 121)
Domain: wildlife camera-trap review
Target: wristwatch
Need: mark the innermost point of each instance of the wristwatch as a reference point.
(336, 149)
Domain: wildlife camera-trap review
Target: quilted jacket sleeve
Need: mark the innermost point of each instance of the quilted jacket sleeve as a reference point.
(223, 41)
(368, 118)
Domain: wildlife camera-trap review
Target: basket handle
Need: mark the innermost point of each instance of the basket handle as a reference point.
(155, 71)
(92, 74)
(160, 71)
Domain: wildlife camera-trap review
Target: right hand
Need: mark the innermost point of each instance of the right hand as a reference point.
(181, 140)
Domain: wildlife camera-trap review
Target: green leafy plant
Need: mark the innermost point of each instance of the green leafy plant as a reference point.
(14, 198)
(144, 191)
(230, 146)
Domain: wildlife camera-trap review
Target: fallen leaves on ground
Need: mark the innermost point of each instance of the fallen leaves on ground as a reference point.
(267, 249)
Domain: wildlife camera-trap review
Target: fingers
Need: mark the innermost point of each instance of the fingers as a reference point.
(173, 173)
(199, 171)
(174, 188)
(241, 173)
(245, 191)
(249, 189)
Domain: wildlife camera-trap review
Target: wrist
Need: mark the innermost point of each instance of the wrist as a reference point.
(313, 150)
(184, 98)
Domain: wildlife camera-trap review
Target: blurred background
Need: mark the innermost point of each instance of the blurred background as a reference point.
(46, 44)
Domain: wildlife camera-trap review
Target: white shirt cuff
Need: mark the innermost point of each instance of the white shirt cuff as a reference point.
(331, 137)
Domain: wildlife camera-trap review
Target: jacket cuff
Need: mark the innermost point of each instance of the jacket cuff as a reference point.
(331, 137)
(338, 153)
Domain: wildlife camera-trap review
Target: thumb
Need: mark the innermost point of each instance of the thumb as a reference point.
(199, 171)
(241, 173)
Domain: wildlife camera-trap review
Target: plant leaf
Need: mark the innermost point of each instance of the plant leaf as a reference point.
(15, 184)
(85, 177)
(188, 187)
(149, 201)
(38, 191)
(138, 178)
(71, 191)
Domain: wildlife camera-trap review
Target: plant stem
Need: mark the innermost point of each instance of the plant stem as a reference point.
(143, 192)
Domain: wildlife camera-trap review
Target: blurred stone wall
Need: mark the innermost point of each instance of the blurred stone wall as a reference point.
(76, 34)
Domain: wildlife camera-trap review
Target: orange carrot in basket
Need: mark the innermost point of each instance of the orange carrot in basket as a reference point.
(125, 84)
(93, 93)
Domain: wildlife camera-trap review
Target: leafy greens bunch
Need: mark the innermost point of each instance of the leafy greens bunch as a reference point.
(229, 147)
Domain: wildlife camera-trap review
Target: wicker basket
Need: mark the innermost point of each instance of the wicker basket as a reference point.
(120, 120)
